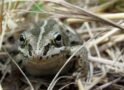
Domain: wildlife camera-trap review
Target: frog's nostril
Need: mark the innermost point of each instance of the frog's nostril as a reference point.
(46, 49)
(30, 50)
(40, 57)
(30, 53)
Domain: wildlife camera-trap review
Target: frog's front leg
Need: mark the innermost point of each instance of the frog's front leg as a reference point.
(81, 64)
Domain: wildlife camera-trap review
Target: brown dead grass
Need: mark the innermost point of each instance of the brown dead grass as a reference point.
(94, 21)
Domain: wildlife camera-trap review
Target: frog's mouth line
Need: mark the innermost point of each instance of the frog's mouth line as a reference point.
(38, 59)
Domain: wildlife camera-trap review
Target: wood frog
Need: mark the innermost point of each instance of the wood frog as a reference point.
(46, 48)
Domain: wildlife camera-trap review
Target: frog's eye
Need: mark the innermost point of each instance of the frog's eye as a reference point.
(58, 39)
(22, 40)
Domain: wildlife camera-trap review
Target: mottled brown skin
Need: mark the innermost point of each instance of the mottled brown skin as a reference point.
(45, 48)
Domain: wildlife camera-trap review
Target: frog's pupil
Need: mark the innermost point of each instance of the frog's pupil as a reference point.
(58, 38)
(22, 38)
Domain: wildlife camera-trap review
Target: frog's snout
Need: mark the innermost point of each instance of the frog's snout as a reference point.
(35, 58)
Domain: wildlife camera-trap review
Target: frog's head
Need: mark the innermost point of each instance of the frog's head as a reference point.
(47, 36)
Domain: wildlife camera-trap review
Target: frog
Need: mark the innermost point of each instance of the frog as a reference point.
(46, 47)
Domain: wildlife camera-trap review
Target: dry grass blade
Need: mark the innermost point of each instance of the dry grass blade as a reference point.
(63, 77)
(108, 34)
(114, 16)
(84, 12)
(1, 15)
(80, 85)
(1, 87)
(105, 61)
(108, 84)
(104, 6)
(95, 82)
(5, 69)
(1, 19)
(62, 88)
(79, 18)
